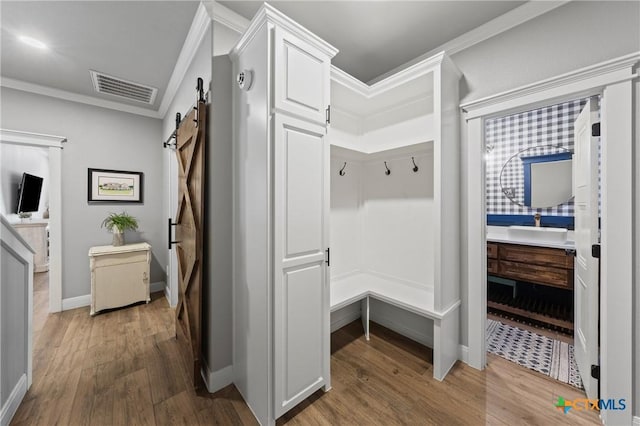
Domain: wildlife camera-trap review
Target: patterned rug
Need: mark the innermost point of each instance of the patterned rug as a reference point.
(531, 350)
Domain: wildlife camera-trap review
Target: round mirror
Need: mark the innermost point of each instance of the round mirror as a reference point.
(538, 177)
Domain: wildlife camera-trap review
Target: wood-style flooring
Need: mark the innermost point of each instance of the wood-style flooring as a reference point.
(123, 368)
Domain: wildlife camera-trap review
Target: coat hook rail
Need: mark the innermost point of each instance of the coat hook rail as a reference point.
(342, 172)
(415, 166)
(387, 172)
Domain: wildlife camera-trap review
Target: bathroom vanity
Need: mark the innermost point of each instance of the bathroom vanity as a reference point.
(537, 260)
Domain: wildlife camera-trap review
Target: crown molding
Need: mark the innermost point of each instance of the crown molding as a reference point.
(197, 31)
(75, 97)
(581, 80)
(401, 77)
(269, 14)
(199, 26)
(409, 73)
(498, 25)
(345, 79)
(28, 138)
(227, 17)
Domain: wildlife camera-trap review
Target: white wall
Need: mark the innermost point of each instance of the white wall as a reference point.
(398, 210)
(184, 99)
(218, 317)
(15, 160)
(345, 216)
(14, 317)
(97, 138)
(383, 224)
(568, 38)
(16, 325)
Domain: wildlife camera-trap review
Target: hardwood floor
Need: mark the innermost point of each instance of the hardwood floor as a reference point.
(124, 367)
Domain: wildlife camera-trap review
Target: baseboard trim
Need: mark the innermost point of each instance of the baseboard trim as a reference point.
(342, 321)
(85, 300)
(412, 334)
(156, 287)
(636, 421)
(76, 302)
(463, 353)
(13, 402)
(216, 380)
(167, 295)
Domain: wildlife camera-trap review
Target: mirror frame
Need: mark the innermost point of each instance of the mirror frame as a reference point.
(526, 164)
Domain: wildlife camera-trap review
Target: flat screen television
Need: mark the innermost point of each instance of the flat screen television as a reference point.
(29, 193)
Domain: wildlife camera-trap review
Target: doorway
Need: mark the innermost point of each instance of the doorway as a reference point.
(531, 244)
(613, 81)
(53, 146)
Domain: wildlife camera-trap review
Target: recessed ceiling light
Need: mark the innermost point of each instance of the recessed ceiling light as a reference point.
(32, 42)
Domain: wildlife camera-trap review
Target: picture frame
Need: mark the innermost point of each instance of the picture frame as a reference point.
(106, 186)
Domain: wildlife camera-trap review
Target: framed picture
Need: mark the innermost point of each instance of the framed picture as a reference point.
(114, 186)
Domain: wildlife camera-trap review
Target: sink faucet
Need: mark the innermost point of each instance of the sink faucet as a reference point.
(537, 218)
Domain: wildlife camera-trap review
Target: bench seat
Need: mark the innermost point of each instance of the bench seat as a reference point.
(418, 299)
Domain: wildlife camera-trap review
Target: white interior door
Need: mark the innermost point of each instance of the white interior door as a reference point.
(586, 291)
(301, 289)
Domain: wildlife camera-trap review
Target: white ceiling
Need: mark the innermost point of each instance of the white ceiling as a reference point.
(140, 41)
(375, 37)
(137, 41)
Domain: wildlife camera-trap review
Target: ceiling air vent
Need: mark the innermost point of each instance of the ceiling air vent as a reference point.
(110, 85)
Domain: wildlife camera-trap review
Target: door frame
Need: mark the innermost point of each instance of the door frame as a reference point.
(54, 144)
(613, 80)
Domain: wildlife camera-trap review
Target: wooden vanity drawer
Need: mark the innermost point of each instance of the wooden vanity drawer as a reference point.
(542, 256)
(492, 250)
(540, 274)
(492, 266)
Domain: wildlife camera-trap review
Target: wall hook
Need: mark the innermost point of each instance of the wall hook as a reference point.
(387, 172)
(415, 167)
(341, 172)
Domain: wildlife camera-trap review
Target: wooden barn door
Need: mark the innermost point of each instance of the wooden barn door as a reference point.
(190, 150)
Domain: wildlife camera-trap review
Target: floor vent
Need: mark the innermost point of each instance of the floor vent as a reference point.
(110, 85)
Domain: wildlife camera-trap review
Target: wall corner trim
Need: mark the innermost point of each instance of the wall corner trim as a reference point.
(32, 139)
(13, 402)
(199, 26)
(598, 75)
(228, 17)
(216, 380)
(85, 300)
(498, 25)
(76, 302)
(268, 14)
(52, 92)
(463, 353)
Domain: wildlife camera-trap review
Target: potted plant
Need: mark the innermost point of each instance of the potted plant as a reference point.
(118, 223)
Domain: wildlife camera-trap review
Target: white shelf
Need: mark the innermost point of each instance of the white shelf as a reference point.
(411, 297)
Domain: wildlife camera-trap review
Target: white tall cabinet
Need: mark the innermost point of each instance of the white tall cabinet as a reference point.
(281, 239)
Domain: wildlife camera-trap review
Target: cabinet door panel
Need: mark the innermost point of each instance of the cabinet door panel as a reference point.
(302, 330)
(302, 73)
(120, 285)
(301, 291)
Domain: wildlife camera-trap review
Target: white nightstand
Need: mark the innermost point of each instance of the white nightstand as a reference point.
(119, 275)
